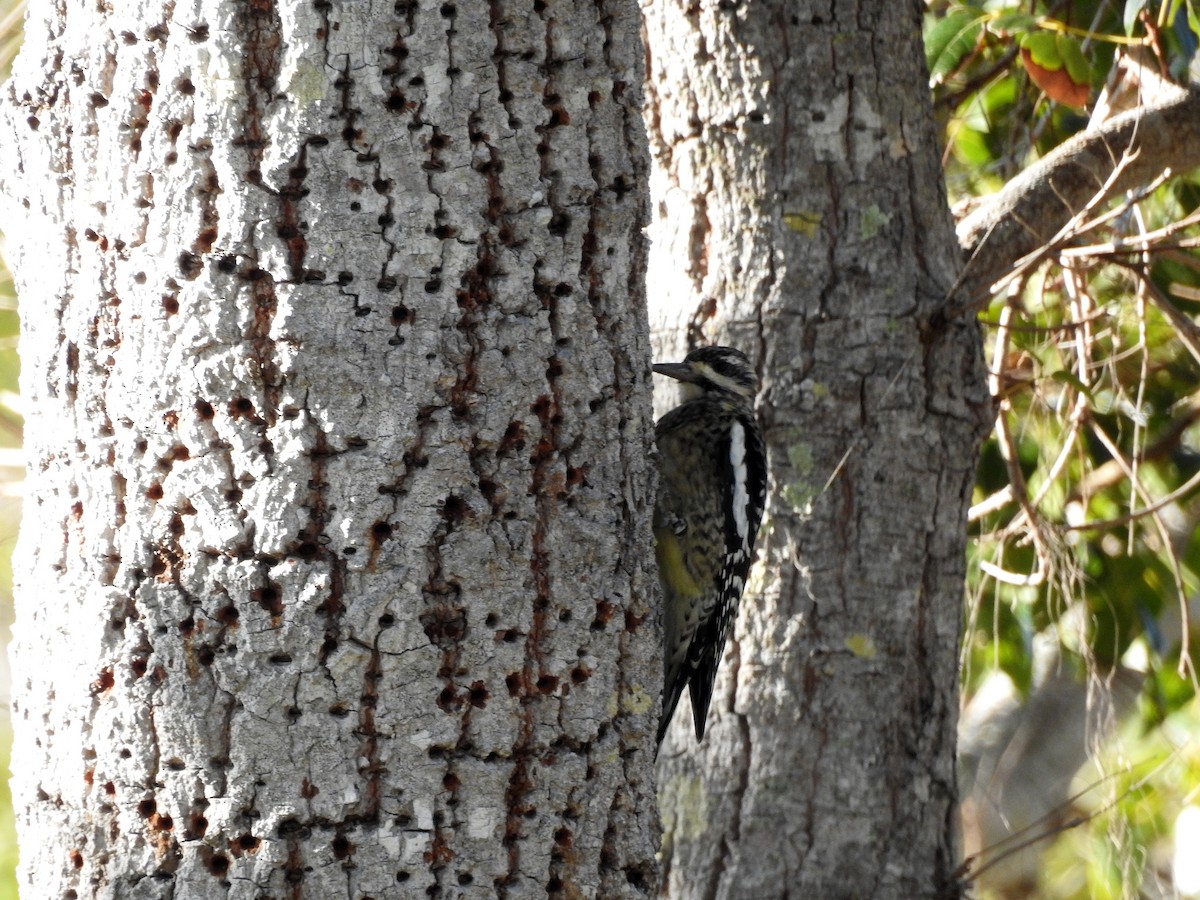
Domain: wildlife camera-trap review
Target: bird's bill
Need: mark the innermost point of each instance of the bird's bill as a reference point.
(679, 371)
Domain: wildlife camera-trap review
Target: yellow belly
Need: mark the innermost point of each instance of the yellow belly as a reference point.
(671, 569)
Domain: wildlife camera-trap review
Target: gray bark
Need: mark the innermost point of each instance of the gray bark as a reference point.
(796, 153)
(334, 575)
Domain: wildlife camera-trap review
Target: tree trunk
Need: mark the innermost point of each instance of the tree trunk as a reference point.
(334, 574)
(797, 158)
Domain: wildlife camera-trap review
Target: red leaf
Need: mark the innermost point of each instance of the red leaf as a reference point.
(1057, 83)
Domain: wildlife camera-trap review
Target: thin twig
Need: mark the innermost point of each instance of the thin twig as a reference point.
(1022, 838)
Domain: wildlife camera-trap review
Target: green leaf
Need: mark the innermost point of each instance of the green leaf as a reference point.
(1133, 9)
(1056, 65)
(1069, 51)
(1012, 23)
(998, 98)
(1043, 48)
(971, 146)
(950, 39)
(1172, 691)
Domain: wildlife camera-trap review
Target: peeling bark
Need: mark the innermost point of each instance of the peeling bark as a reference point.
(333, 579)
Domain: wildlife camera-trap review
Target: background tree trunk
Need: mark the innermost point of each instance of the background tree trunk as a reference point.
(333, 577)
(798, 163)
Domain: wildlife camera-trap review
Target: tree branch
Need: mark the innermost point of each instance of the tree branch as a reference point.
(1037, 203)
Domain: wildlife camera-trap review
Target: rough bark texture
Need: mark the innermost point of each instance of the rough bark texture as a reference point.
(333, 576)
(803, 200)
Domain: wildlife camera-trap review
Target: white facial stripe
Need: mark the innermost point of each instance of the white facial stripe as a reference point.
(722, 381)
(737, 462)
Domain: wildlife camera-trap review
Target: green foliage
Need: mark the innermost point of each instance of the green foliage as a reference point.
(8, 830)
(950, 38)
(1126, 809)
(11, 16)
(10, 437)
(1088, 494)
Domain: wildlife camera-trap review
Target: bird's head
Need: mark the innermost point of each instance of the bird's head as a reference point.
(713, 370)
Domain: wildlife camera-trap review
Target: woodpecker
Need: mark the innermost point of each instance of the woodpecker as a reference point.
(711, 491)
